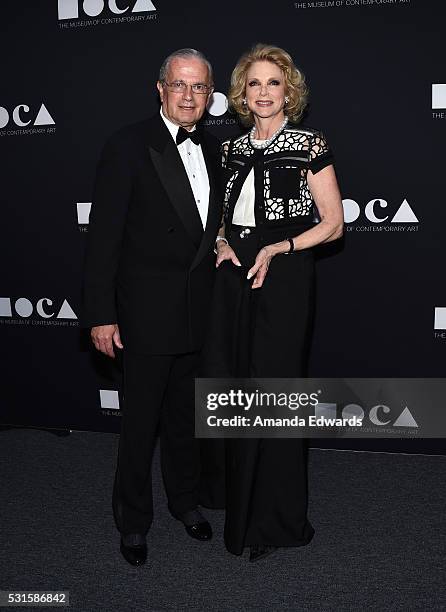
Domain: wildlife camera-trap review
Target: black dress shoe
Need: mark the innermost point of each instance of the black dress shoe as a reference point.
(260, 551)
(196, 525)
(199, 531)
(134, 553)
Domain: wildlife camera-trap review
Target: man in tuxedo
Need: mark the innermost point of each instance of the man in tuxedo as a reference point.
(149, 274)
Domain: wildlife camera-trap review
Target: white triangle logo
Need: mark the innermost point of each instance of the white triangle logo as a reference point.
(405, 419)
(43, 117)
(141, 6)
(404, 214)
(66, 312)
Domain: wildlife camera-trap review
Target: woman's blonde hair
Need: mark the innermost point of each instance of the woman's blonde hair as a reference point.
(295, 87)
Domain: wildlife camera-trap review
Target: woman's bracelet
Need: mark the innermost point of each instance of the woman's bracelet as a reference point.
(216, 240)
(291, 250)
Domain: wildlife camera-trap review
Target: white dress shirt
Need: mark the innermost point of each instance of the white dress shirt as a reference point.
(244, 207)
(195, 166)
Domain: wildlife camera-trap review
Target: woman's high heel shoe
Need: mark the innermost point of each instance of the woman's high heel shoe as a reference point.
(260, 551)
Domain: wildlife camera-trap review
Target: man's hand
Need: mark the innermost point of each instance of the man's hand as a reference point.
(224, 252)
(103, 337)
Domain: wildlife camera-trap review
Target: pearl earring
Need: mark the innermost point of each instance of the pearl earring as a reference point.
(244, 101)
(287, 99)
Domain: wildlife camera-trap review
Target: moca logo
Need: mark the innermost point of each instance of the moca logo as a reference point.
(375, 207)
(376, 414)
(69, 9)
(22, 116)
(24, 308)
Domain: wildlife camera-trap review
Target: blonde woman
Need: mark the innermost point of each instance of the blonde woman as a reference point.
(276, 176)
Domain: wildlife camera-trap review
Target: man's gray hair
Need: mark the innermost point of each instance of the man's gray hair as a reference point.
(187, 54)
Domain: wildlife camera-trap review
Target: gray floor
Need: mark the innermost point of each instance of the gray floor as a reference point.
(380, 538)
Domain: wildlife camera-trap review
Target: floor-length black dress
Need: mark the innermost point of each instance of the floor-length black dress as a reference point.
(264, 333)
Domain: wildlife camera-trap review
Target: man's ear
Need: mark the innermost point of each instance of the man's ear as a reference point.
(159, 87)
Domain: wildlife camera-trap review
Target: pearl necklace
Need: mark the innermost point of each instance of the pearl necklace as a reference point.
(267, 142)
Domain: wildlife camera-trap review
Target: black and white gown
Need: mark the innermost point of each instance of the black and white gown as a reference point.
(264, 333)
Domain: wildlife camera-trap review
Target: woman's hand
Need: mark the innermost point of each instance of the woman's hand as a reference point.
(261, 265)
(225, 252)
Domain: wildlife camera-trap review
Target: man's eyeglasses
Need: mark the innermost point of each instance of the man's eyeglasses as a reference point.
(181, 86)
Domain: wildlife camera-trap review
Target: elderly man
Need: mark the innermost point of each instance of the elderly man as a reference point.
(148, 282)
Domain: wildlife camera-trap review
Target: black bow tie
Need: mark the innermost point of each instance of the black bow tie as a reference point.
(184, 135)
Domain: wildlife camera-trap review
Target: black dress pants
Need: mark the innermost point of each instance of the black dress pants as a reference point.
(158, 391)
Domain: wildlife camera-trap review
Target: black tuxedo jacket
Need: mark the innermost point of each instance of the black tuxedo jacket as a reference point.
(149, 266)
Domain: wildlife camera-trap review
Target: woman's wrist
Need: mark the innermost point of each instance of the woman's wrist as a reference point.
(280, 248)
(219, 241)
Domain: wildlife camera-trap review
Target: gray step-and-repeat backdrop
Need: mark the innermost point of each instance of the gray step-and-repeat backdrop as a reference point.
(73, 71)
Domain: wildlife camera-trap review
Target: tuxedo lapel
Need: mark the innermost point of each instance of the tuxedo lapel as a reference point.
(169, 166)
